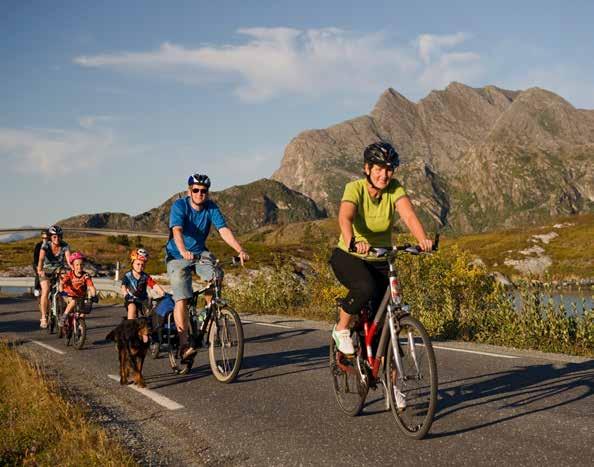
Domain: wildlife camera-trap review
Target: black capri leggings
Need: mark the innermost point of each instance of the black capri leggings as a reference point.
(366, 280)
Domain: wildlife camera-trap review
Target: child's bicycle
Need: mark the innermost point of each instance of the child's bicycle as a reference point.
(392, 349)
(218, 327)
(75, 326)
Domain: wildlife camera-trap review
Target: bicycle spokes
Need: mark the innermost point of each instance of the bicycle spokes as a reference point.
(412, 375)
(226, 344)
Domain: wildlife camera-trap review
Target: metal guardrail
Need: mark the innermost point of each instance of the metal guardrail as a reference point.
(130, 233)
(101, 283)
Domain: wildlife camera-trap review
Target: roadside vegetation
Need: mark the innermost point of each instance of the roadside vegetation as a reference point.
(456, 296)
(39, 427)
(453, 297)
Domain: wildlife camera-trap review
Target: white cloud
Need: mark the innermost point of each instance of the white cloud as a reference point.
(91, 121)
(464, 67)
(274, 61)
(431, 45)
(52, 152)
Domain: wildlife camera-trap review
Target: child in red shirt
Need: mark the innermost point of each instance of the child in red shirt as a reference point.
(77, 284)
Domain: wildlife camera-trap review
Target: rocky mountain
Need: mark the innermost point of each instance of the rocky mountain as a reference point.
(245, 207)
(473, 158)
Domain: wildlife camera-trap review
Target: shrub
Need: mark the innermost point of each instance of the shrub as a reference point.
(123, 240)
(454, 298)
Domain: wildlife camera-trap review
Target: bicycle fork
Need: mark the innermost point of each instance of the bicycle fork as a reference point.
(396, 347)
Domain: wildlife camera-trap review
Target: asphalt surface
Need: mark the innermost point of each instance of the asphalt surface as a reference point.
(534, 409)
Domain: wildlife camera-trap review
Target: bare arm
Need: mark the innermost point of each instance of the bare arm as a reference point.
(346, 215)
(407, 214)
(40, 263)
(178, 238)
(227, 235)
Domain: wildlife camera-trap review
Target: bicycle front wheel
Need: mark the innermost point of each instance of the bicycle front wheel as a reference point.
(349, 387)
(413, 395)
(225, 351)
(53, 314)
(79, 333)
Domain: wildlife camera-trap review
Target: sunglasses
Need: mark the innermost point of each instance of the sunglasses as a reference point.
(200, 190)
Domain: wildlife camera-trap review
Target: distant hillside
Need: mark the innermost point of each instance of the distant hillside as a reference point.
(562, 248)
(476, 159)
(245, 207)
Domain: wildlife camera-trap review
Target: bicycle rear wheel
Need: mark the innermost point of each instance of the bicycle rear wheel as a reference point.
(349, 387)
(225, 351)
(418, 383)
(79, 333)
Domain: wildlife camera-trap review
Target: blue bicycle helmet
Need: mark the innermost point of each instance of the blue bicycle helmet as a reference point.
(199, 179)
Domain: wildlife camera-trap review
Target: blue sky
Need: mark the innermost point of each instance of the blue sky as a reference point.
(109, 106)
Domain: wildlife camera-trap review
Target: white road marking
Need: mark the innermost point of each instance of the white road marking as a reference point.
(48, 347)
(266, 324)
(474, 351)
(155, 396)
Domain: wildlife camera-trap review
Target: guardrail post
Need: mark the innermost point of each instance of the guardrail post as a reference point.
(117, 271)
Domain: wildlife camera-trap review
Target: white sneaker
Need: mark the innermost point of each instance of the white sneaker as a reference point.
(343, 340)
(400, 399)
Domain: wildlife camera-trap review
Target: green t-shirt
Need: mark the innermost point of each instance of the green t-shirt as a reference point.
(374, 219)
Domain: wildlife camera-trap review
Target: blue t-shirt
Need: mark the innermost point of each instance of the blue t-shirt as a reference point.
(195, 225)
(137, 287)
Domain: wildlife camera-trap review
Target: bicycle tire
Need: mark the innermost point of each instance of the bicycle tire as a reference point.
(66, 334)
(79, 334)
(349, 388)
(154, 348)
(419, 383)
(226, 332)
(52, 320)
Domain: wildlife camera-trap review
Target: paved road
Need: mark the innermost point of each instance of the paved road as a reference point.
(493, 410)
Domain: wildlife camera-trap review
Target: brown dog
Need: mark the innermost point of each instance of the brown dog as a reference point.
(132, 340)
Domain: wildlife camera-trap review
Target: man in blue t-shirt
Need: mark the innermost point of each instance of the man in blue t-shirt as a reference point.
(190, 220)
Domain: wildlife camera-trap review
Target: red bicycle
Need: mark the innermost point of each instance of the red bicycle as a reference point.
(75, 326)
(392, 349)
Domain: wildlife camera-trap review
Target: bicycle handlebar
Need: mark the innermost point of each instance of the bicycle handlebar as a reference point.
(381, 252)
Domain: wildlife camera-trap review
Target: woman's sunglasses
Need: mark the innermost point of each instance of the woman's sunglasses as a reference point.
(200, 190)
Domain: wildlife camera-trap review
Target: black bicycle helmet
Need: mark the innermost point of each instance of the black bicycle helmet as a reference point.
(199, 179)
(381, 153)
(55, 230)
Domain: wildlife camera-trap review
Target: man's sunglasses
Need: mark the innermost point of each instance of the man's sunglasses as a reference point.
(200, 190)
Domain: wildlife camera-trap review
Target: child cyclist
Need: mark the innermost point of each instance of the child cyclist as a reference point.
(76, 285)
(136, 282)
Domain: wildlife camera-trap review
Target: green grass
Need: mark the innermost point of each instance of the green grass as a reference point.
(572, 251)
(39, 427)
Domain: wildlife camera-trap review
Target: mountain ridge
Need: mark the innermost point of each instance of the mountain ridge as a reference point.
(481, 157)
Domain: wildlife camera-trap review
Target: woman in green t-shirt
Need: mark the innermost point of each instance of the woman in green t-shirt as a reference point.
(366, 216)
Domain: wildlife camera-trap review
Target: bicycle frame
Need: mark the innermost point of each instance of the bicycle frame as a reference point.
(387, 317)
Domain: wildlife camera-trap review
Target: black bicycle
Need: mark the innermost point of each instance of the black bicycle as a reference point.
(392, 350)
(56, 304)
(217, 327)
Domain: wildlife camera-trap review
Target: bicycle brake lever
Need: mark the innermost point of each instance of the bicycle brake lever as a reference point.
(413, 250)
